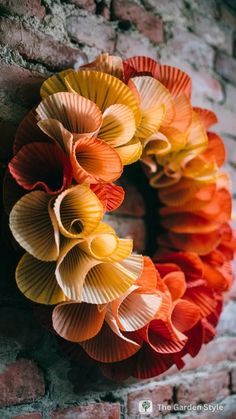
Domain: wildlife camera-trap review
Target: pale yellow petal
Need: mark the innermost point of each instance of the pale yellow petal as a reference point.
(130, 152)
(36, 280)
(78, 211)
(118, 125)
(33, 225)
(103, 89)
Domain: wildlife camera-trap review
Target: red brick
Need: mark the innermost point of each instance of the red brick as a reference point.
(35, 45)
(189, 47)
(93, 31)
(132, 228)
(23, 7)
(31, 415)
(219, 350)
(161, 393)
(91, 411)
(226, 67)
(21, 382)
(203, 387)
(127, 46)
(146, 22)
(89, 5)
(20, 85)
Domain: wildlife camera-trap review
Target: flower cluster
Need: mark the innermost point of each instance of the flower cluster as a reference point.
(130, 314)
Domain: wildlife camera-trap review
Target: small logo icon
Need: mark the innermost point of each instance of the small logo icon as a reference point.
(145, 407)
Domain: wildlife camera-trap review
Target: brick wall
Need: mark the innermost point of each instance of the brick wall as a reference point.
(36, 38)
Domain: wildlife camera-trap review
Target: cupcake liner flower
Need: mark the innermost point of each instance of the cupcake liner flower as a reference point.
(129, 314)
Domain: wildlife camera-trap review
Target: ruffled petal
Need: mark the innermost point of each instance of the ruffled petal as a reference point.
(185, 315)
(28, 132)
(77, 322)
(208, 118)
(60, 135)
(72, 267)
(137, 310)
(151, 120)
(180, 193)
(41, 165)
(140, 65)
(130, 152)
(175, 282)
(36, 280)
(110, 195)
(183, 113)
(190, 263)
(199, 243)
(107, 281)
(148, 278)
(109, 346)
(175, 80)
(197, 138)
(163, 338)
(95, 161)
(106, 63)
(203, 297)
(216, 149)
(34, 226)
(153, 93)
(54, 84)
(76, 113)
(118, 125)
(78, 211)
(102, 89)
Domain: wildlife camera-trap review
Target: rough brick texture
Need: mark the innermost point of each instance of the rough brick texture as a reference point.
(95, 410)
(148, 24)
(38, 37)
(21, 382)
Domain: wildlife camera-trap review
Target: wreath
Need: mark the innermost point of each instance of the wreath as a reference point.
(131, 314)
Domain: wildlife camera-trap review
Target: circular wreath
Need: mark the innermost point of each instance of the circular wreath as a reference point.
(131, 314)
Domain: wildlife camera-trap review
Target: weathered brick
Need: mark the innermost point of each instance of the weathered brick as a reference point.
(31, 415)
(227, 325)
(89, 5)
(213, 32)
(207, 8)
(20, 85)
(191, 48)
(128, 45)
(35, 45)
(21, 382)
(126, 227)
(161, 393)
(203, 387)
(233, 378)
(146, 22)
(226, 67)
(169, 11)
(23, 7)
(219, 350)
(95, 410)
(93, 31)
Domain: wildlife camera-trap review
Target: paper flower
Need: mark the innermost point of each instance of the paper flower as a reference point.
(129, 314)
